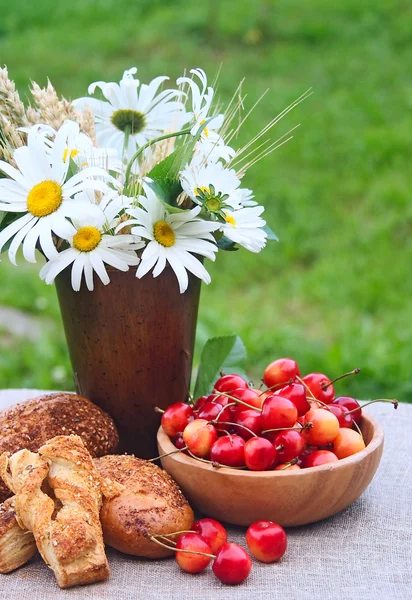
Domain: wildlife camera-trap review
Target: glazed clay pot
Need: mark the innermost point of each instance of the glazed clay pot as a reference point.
(131, 346)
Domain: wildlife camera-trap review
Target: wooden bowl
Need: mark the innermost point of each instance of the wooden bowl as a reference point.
(288, 498)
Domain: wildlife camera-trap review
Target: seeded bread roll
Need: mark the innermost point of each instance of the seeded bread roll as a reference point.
(151, 503)
(30, 424)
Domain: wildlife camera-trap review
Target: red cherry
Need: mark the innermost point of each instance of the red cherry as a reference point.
(229, 451)
(200, 402)
(347, 442)
(260, 454)
(179, 442)
(320, 387)
(250, 397)
(280, 371)
(293, 444)
(213, 532)
(296, 392)
(176, 417)
(192, 563)
(349, 403)
(199, 436)
(228, 383)
(232, 564)
(325, 427)
(266, 541)
(320, 457)
(248, 418)
(210, 411)
(340, 412)
(278, 412)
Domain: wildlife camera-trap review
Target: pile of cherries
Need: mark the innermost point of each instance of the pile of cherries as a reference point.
(295, 423)
(208, 541)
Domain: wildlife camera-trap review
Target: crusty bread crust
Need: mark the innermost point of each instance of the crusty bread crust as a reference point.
(30, 424)
(151, 503)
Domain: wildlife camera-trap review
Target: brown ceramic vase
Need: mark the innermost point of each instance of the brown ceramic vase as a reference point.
(131, 347)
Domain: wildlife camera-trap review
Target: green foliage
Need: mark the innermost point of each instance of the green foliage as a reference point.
(225, 353)
(334, 292)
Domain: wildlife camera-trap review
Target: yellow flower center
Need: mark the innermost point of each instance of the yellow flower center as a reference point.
(87, 239)
(164, 234)
(44, 198)
(205, 130)
(73, 154)
(230, 219)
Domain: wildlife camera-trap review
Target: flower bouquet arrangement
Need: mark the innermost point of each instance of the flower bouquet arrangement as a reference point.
(142, 181)
(142, 178)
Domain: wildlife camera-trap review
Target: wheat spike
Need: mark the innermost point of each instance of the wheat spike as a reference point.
(87, 124)
(51, 109)
(10, 104)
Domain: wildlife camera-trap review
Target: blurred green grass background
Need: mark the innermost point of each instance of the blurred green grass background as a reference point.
(335, 292)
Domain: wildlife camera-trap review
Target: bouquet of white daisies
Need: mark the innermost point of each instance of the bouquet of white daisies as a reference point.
(143, 178)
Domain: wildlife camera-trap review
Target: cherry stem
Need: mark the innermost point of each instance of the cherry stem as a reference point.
(234, 425)
(358, 429)
(308, 425)
(289, 464)
(175, 533)
(214, 464)
(154, 539)
(168, 454)
(237, 401)
(158, 410)
(394, 402)
(324, 386)
(275, 385)
(318, 402)
(222, 410)
(305, 385)
(167, 540)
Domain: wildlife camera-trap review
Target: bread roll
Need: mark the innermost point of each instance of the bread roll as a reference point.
(151, 503)
(30, 424)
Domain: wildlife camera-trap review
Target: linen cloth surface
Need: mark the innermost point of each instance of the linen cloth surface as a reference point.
(363, 552)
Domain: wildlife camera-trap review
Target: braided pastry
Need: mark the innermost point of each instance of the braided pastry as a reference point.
(58, 498)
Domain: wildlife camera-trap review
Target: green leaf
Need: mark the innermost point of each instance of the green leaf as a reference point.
(270, 234)
(225, 243)
(165, 175)
(226, 353)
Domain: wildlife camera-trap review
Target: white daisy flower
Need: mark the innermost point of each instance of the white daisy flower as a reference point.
(211, 186)
(243, 198)
(79, 147)
(173, 238)
(39, 189)
(211, 146)
(244, 227)
(137, 112)
(91, 248)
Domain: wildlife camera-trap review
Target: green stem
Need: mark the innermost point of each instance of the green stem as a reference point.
(151, 143)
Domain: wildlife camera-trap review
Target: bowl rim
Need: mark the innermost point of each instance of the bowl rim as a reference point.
(184, 459)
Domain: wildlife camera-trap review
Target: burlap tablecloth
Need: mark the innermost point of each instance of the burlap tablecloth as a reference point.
(365, 552)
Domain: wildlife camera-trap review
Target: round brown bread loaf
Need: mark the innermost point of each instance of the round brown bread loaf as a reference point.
(151, 503)
(30, 424)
